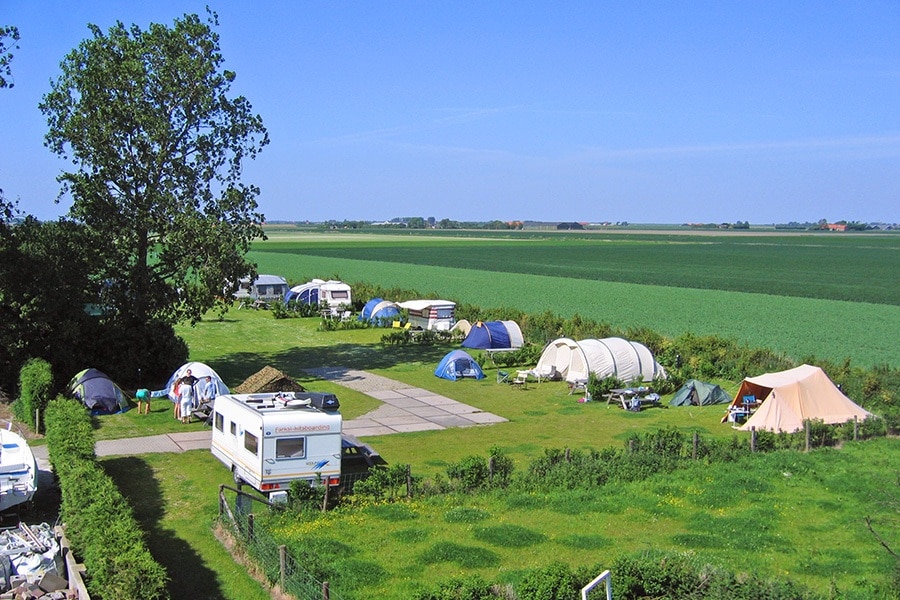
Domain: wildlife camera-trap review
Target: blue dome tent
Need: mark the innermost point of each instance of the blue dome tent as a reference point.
(494, 335)
(456, 364)
(98, 392)
(380, 312)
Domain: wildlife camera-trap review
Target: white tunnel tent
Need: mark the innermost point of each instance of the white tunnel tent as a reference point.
(607, 357)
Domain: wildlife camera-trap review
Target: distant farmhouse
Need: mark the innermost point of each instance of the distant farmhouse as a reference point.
(570, 226)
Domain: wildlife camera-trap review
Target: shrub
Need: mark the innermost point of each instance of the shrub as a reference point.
(471, 472)
(472, 587)
(383, 482)
(35, 385)
(500, 467)
(553, 582)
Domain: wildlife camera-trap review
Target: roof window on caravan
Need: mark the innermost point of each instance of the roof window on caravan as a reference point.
(251, 442)
(287, 448)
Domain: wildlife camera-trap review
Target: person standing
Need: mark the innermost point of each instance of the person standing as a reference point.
(186, 395)
(208, 391)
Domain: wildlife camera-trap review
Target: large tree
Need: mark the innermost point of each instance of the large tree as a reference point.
(158, 144)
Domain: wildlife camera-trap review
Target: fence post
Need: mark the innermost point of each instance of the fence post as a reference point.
(326, 594)
(37, 420)
(568, 455)
(753, 439)
(325, 500)
(855, 428)
(491, 470)
(408, 481)
(806, 426)
(250, 526)
(696, 443)
(281, 564)
(221, 499)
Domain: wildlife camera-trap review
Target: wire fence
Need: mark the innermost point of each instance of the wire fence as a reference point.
(278, 565)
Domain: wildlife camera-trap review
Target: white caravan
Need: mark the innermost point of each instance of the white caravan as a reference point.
(438, 315)
(269, 440)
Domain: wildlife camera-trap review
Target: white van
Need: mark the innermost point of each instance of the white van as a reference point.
(269, 440)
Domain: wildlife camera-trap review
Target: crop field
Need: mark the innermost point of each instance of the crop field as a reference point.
(805, 296)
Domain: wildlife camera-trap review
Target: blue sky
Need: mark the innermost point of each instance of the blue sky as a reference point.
(648, 112)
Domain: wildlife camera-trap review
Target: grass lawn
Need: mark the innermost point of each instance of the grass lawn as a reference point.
(799, 515)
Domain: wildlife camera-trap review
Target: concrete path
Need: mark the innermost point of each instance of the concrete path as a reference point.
(404, 409)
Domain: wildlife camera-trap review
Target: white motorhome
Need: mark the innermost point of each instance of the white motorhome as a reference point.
(269, 440)
(439, 315)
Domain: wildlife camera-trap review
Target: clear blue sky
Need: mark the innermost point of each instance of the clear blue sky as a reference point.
(655, 112)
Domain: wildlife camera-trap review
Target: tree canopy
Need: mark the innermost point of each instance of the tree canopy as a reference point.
(157, 146)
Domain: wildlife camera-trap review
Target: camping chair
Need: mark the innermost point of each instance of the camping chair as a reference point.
(502, 377)
(521, 380)
(545, 374)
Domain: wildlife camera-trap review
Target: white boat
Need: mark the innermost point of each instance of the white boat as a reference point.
(18, 471)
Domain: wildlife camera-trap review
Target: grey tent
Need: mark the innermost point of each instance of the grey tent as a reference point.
(699, 393)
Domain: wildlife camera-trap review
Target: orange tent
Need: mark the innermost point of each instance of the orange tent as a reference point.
(788, 398)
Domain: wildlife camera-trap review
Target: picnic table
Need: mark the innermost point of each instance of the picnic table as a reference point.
(633, 398)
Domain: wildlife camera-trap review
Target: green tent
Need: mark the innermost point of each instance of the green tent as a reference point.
(699, 393)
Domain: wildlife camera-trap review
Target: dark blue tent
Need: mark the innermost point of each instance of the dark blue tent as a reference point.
(494, 335)
(456, 364)
(98, 392)
(380, 312)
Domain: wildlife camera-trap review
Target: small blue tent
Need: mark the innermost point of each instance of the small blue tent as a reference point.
(456, 364)
(380, 312)
(494, 335)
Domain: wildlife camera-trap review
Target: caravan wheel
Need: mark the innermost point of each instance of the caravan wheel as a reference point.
(237, 478)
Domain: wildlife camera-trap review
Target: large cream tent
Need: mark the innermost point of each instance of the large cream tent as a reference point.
(791, 397)
(608, 357)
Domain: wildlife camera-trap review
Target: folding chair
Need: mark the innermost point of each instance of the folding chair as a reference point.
(502, 377)
(521, 380)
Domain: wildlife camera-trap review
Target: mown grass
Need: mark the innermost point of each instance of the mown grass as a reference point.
(798, 327)
(802, 511)
(174, 498)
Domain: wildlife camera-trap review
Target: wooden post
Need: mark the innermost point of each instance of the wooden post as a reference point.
(568, 455)
(325, 499)
(250, 526)
(696, 443)
(408, 481)
(37, 420)
(855, 428)
(631, 445)
(325, 593)
(806, 426)
(491, 470)
(282, 564)
(753, 439)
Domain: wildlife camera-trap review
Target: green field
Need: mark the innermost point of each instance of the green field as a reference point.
(512, 273)
(802, 515)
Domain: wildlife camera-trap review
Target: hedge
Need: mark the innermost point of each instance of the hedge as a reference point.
(98, 520)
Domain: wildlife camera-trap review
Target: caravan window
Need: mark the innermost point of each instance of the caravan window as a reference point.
(444, 313)
(233, 428)
(340, 295)
(251, 442)
(286, 448)
(220, 422)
